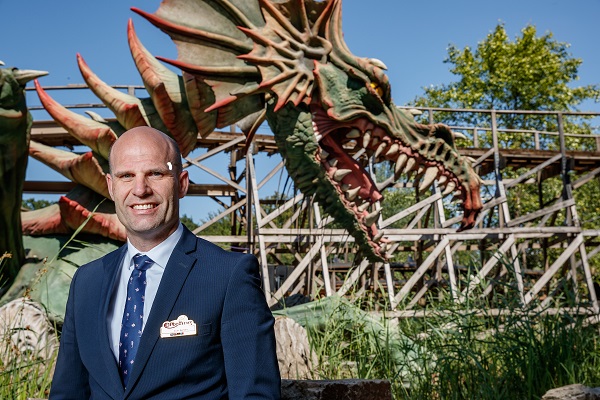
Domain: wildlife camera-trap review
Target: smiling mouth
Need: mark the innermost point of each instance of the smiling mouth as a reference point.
(144, 206)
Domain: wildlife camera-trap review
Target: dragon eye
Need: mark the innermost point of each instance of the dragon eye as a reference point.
(377, 88)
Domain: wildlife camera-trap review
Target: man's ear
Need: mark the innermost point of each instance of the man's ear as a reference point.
(109, 184)
(184, 183)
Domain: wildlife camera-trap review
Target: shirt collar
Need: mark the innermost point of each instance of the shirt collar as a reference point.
(161, 253)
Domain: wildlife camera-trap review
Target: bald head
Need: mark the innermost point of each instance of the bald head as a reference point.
(146, 181)
(141, 135)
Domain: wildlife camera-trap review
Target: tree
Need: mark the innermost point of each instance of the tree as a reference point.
(35, 204)
(530, 73)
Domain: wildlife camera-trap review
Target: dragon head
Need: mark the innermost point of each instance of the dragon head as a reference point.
(323, 103)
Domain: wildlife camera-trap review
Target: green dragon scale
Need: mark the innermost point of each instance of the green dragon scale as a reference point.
(284, 61)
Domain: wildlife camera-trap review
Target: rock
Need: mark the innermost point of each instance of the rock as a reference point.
(294, 355)
(28, 334)
(573, 392)
(346, 389)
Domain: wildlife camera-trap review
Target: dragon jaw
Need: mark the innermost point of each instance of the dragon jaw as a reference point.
(354, 187)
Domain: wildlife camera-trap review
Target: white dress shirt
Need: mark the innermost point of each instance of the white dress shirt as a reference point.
(160, 255)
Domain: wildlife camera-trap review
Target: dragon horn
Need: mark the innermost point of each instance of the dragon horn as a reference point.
(97, 136)
(25, 75)
(164, 87)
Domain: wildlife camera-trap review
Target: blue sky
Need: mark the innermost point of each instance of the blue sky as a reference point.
(410, 37)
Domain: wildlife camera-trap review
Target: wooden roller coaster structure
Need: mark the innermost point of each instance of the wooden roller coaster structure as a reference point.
(542, 258)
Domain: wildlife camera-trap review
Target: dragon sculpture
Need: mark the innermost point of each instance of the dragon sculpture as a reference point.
(247, 61)
(15, 128)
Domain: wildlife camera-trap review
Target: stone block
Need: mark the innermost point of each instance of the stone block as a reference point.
(344, 389)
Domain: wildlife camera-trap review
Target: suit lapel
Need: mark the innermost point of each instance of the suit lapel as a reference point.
(111, 264)
(176, 272)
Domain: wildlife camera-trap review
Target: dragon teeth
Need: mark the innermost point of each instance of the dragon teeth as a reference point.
(372, 217)
(449, 189)
(339, 174)
(353, 134)
(409, 165)
(428, 179)
(401, 162)
(352, 193)
(443, 179)
(324, 154)
(366, 139)
(380, 149)
(333, 162)
(378, 237)
(363, 207)
(393, 150)
(458, 135)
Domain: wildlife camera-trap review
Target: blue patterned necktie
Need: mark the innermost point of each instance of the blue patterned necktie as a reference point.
(133, 316)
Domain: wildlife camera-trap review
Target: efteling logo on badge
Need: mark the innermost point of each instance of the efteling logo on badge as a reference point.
(182, 326)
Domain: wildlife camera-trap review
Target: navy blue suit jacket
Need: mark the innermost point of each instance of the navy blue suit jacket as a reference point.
(231, 357)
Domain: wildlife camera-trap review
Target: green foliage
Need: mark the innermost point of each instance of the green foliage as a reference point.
(188, 222)
(531, 73)
(36, 204)
(463, 352)
(24, 375)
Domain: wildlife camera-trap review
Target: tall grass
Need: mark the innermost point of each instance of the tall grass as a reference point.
(25, 369)
(26, 378)
(456, 353)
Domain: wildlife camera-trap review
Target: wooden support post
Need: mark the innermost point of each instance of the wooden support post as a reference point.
(257, 214)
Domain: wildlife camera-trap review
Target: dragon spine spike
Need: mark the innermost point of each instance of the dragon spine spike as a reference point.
(43, 221)
(200, 35)
(56, 159)
(97, 136)
(127, 108)
(83, 169)
(164, 88)
(73, 215)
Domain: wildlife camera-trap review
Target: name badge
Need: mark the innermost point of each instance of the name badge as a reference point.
(182, 326)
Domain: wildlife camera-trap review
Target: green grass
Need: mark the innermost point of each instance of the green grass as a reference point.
(455, 353)
(26, 378)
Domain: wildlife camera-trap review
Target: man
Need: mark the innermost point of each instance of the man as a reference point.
(168, 315)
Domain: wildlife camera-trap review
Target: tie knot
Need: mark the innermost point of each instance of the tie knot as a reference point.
(142, 262)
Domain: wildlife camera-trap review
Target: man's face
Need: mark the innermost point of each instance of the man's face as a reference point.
(145, 189)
